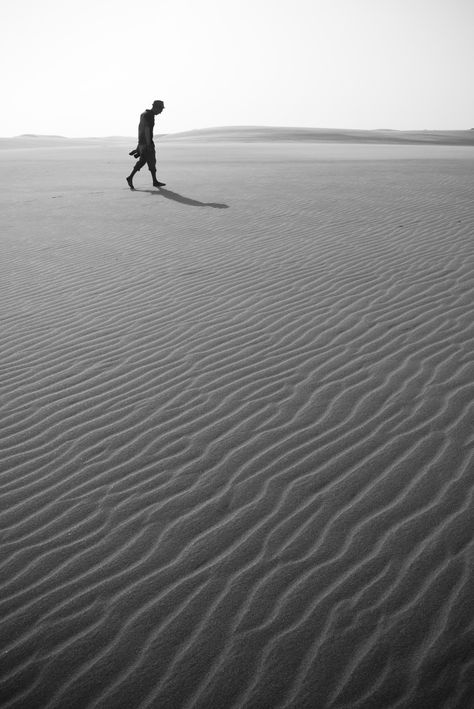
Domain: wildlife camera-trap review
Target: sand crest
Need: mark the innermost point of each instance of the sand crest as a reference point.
(237, 425)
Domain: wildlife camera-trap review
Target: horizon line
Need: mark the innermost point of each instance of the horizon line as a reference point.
(247, 126)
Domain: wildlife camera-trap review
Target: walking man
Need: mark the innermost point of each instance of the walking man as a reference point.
(145, 150)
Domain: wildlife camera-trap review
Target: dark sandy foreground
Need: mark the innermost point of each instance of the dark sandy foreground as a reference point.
(237, 427)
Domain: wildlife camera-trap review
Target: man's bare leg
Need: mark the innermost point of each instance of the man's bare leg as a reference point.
(155, 181)
(131, 176)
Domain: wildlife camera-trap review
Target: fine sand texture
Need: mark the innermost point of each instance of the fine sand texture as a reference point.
(237, 425)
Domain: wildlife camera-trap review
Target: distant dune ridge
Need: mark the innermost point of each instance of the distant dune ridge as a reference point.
(236, 423)
(280, 134)
(262, 133)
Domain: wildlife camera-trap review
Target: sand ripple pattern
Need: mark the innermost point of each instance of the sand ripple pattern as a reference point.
(238, 444)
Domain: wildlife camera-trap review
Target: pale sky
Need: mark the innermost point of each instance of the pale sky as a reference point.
(90, 67)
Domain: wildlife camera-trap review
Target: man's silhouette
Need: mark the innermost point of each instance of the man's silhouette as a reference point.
(145, 150)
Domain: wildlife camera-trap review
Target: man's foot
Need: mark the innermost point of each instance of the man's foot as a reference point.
(158, 184)
(130, 183)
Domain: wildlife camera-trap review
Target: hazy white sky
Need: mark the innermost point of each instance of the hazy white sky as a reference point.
(89, 67)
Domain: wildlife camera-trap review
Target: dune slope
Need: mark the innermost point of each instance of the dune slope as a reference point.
(236, 424)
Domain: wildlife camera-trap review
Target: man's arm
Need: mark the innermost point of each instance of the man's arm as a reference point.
(144, 130)
(148, 136)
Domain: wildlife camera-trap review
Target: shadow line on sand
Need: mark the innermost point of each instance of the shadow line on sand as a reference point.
(176, 197)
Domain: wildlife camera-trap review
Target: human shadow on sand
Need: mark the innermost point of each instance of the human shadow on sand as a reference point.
(185, 200)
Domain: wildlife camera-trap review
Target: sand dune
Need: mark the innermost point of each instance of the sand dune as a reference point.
(252, 134)
(332, 135)
(237, 427)
(35, 142)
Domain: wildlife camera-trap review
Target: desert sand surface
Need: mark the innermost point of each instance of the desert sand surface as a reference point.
(237, 424)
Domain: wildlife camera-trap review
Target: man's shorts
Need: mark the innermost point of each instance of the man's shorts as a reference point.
(147, 156)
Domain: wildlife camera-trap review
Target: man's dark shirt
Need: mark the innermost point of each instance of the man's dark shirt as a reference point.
(147, 118)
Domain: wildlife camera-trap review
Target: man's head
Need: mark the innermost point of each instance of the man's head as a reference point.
(157, 107)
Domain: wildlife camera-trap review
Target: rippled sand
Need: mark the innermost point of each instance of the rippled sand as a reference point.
(237, 426)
